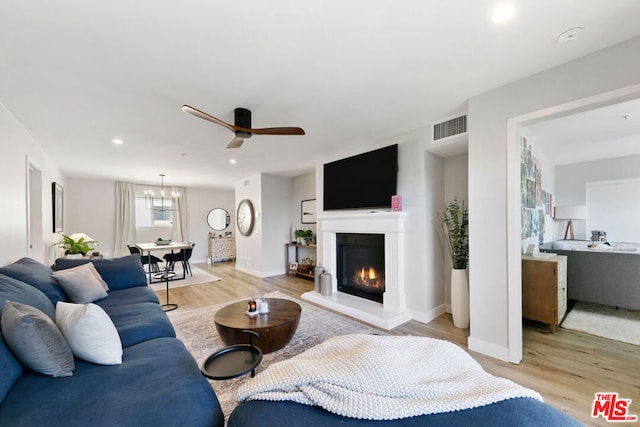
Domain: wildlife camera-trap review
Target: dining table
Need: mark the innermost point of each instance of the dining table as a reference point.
(147, 248)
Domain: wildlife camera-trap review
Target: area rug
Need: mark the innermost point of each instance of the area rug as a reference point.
(199, 276)
(197, 330)
(604, 321)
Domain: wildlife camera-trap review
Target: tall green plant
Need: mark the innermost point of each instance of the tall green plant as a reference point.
(455, 221)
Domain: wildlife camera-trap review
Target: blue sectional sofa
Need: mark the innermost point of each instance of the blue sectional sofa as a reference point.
(522, 412)
(158, 382)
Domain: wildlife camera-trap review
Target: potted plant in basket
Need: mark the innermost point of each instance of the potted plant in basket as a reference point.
(76, 245)
(455, 222)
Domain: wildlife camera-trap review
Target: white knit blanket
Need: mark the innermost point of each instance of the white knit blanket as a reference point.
(382, 378)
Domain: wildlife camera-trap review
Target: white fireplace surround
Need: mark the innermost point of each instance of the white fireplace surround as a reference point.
(392, 311)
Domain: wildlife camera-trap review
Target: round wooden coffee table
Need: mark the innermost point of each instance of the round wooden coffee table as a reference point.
(275, 329)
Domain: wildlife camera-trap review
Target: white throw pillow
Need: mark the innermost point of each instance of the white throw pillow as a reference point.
(82, 283)
(89, 332)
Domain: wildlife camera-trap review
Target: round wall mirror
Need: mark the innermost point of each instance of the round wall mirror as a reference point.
(218, 219)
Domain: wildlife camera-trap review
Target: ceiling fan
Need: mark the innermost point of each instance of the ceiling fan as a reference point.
(242, 127)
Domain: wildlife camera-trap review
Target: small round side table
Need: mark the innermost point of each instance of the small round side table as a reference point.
(166, 276)
(233, 361)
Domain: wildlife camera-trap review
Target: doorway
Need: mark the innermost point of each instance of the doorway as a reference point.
(35, 229)
(514, 128)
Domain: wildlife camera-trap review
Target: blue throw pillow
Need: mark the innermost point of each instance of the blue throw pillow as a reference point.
(14, 290)
(11, 369)
(119, 273)
(35, 340)
(36, 274)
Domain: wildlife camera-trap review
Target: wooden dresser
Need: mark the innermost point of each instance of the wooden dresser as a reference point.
(222, 248)
(544, 289)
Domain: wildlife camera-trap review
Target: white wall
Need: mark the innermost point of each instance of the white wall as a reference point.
(427, 245)
(495, 276)
(612, 207)
(571, 184)
(277, 217)
(420, 183)
(18, 146)
(199, 204)
(276, 200)
(304, 188)
(90, 208)
(249, 248)
(456, 185)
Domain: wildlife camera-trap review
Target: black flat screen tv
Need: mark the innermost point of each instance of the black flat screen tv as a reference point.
(364, 181)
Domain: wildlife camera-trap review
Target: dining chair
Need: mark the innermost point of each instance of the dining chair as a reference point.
(134, 250)
(183, 256)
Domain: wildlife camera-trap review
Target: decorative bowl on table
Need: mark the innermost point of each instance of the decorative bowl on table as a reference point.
(162, 242)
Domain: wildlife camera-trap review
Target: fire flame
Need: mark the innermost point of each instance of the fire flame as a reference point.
(371, 275)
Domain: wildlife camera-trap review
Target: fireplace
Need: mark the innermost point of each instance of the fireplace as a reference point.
(360, 265)
(388, 226)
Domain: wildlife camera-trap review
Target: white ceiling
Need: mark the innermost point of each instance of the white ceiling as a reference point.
(600, 133)
(78, 74)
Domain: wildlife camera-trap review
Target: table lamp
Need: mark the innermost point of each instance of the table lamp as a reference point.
(570, 213)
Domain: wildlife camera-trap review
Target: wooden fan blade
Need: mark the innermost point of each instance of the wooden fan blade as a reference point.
(236, 142)
(278, 131)
(202, 115)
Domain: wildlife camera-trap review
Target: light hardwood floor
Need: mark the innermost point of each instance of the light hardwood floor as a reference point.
(566, 368)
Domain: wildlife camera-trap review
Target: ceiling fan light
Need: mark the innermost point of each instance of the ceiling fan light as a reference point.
(241, 134)
(242, 127)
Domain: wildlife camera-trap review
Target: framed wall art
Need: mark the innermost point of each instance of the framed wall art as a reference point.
(57, 196)
(308, 211)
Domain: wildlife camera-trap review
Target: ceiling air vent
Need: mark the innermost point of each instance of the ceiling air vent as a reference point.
(450, 128)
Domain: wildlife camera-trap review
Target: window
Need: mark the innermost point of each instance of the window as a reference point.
(153, 218)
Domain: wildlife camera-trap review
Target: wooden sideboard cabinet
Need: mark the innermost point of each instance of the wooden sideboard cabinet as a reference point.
(544, 289)
(222, 248)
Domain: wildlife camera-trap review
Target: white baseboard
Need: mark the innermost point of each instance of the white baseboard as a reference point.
(429, 315)
(488, 348)
(250, 271)
(273, 273)
(359, 308)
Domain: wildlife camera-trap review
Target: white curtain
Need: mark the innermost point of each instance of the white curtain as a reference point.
(179, 227)
(125, 217)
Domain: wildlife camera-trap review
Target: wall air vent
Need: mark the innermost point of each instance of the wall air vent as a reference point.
(449, 128)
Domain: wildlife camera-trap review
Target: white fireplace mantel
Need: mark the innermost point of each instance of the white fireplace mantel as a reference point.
(392, 311)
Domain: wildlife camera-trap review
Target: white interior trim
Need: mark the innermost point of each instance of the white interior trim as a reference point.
(514, 258)
(393, 311)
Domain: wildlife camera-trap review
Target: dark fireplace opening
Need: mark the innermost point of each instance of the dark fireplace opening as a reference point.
(360, 270)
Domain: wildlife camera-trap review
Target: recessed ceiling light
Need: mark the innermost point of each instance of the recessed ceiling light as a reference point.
(569, 35)
(233, 161)
(118, 141)
(503, 12)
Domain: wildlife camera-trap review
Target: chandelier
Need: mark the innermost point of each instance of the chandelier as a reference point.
(162, 203)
